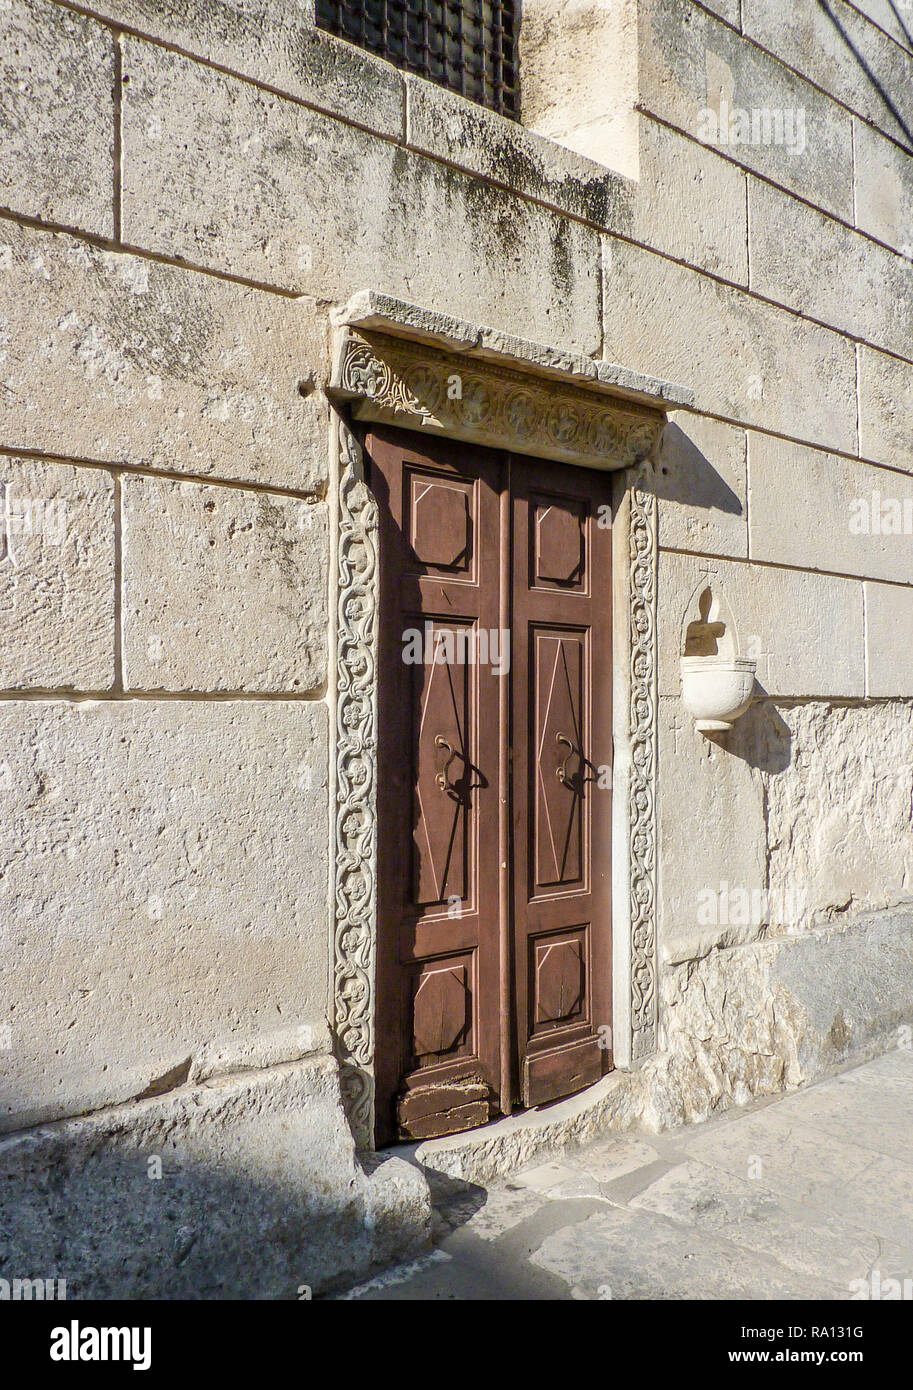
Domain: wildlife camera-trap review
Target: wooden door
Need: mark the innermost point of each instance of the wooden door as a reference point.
(494, 739)
(562, 776)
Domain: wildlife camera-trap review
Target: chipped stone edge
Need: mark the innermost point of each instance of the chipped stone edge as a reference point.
(370, 311)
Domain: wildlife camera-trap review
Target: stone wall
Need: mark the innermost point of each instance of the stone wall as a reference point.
(186, 194)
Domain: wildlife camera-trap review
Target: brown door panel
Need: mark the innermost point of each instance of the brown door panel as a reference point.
(562, 748)
(438, 949)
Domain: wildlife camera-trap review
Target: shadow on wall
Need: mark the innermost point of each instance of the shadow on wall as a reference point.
(684, 475)
(761, 738)
(860, 59)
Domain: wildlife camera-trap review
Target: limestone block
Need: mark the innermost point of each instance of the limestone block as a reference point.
(121, 359)
(809, 262)
(223, 589)
(746, 360)
(274, 42)
(888, 641)
(712, 879)
(885, 409)
(690, 63)
(884, 188)
(690, 203)
(56, 576)
(441, 123)
(804, 630)
(297, 216)
(163, 905)
(700, 486)
(839, 811)
(893, 16)
(820, 511)
(578, 66)
(768, 1016)
(247, 1188)
(56, 116)
(729, 1035)
(841, 52)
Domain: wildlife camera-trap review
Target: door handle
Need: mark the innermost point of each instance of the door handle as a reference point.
(441, 778)
(562, 772)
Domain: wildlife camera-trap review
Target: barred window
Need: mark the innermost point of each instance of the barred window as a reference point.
(468, 46)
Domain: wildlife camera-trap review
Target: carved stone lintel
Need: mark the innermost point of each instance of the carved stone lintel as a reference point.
(642, 784)
(355, 856)
(417, 386)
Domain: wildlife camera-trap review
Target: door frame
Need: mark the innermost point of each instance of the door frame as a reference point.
(513, 404)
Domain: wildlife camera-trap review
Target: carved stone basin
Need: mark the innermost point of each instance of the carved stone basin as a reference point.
(716, 690)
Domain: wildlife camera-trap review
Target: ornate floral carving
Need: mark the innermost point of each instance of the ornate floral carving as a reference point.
(414, 385)
(642, 788)
(354, 822)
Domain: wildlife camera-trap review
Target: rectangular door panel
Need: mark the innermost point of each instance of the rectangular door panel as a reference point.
(438, 947)
(562, 752)
(558, 674)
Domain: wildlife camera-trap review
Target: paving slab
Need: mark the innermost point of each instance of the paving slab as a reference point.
(804, 1196)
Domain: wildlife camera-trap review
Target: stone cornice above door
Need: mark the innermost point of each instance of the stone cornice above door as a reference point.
(402, 365)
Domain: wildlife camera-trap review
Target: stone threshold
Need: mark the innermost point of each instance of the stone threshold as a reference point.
(482, 1155)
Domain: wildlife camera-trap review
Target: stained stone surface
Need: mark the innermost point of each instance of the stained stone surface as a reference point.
(243, 1188)
(805, 1197)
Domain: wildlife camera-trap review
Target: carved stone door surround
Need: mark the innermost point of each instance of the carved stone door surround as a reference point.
(398, 364)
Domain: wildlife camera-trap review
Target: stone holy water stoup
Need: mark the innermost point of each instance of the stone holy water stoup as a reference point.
(717, 683)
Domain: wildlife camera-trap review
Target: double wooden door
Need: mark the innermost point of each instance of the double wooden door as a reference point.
(494, 782)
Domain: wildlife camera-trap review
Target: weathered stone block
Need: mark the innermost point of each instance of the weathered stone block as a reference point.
(820, 511)
(838, 813)
(196, 560)
(885, 409)
(56, 116)
(746, 360)
(888, 645)
(440, 123)
(809, 262)
(117, 358)
(578, 86)
(690, 63)
(701, 894)
(56, 576)
(884, 188)
(701, 486)
(893, 17)
(246, 1188)
(428, 233)
(690, 203)
(842, 52)
(275, 42)
(164, 897)
(804, 630)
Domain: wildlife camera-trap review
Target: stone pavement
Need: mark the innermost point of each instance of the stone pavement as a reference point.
(795, 1197)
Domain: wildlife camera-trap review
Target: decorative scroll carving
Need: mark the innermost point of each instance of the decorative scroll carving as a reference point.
(355, 801)
(469, 398)
(642, 785)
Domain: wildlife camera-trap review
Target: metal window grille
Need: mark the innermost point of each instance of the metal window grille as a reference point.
(468, 46)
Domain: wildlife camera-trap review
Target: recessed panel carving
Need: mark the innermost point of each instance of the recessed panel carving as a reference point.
(440, 523)
(559, 766)
(559, 980)
(441, 1010)
(559, 543)
(442, 696)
